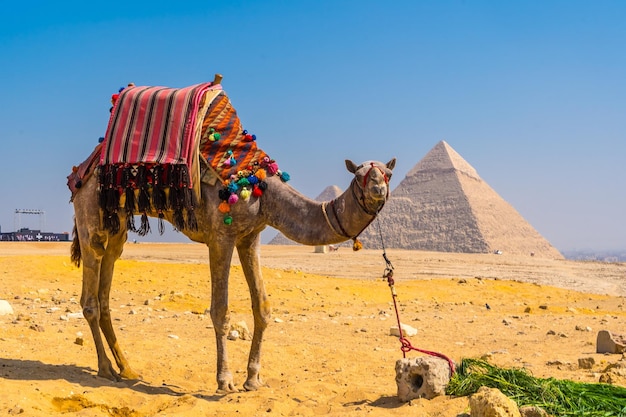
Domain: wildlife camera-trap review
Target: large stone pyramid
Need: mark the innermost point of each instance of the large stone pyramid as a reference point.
(443, 205)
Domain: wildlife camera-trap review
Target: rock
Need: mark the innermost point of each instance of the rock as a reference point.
(79, 341)
(586, 363)
(614, 373)
(533, 411)
(610, 343)
(422, 377)
(406, 330)
(490, 402)
(233, 335)
(242, 329)
(5, 308)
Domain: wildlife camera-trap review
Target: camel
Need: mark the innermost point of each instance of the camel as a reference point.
(282, 207)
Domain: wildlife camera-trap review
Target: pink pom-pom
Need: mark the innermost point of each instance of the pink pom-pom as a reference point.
(272, 168)
(233, 198)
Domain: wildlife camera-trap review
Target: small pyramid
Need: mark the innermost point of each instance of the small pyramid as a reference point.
(443, 205)
(330, 193)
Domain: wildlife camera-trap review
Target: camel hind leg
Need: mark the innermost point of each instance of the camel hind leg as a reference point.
(98, 251)
(113, 252)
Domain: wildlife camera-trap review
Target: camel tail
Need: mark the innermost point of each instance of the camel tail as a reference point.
(75, 254)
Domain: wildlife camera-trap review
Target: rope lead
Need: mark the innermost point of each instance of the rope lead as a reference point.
(405, 343)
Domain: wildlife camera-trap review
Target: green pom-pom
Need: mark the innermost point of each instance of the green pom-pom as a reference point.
(228, 220)
(217, 136)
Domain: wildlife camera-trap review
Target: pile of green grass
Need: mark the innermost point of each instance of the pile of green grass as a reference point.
(556, 397)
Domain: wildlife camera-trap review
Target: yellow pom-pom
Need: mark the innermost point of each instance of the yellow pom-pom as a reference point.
(245, 194)
(356, 245)
(224, 207)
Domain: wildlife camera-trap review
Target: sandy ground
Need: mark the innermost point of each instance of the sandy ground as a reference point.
(328, 350)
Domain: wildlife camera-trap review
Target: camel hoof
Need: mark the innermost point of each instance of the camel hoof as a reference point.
(253, 384)
(130, 374)
(226, 385)
(110, 374)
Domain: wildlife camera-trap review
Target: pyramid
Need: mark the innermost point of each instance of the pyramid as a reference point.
(330, 193)
(443, 205)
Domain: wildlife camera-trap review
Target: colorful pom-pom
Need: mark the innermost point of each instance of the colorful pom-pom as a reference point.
(223, 194)
(272, 168)
(224, 207)
(228, 220)
(74, 169)
(242, 182)
(232, 188)
(256, 191)
(261, 174)
(233, 199)
(252, 179)
(356, 245)
(245, 194)
(285, 176)
(262, 185)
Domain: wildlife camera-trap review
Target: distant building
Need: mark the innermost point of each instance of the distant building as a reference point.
(28, 235)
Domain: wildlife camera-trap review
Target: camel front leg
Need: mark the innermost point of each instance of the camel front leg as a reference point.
(220, 255)
(251, 264)
(113, 252)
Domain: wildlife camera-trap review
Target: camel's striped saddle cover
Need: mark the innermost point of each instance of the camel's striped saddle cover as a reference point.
(150, 157)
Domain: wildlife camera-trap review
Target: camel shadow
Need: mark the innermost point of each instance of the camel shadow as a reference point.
(387, 402)
(31, 370)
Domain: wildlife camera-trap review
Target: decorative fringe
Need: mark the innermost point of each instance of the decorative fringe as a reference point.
(161, 223)
(152, 181)
(144, 229)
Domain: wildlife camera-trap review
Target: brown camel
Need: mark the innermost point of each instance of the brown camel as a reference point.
(281, 207)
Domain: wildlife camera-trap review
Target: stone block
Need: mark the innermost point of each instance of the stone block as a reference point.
(608, 342)
(422, 377)
(5, 308)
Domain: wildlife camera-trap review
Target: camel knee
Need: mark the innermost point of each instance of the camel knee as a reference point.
(264, 316)
(91, 313)
(221, 320)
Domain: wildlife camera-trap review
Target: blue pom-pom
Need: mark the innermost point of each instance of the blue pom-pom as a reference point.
(120, 90)
(285, 177)
(253, 179)
(100, 139)
(253, 137)
(233, 187)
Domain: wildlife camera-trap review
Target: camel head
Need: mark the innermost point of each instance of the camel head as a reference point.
(371, 183)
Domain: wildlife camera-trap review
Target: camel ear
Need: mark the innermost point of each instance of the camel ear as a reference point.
(391, 164)
(352, 167)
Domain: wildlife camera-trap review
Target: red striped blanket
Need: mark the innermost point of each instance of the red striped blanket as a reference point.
(154, 124)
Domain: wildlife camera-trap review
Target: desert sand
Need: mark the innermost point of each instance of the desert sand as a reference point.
(327, 351)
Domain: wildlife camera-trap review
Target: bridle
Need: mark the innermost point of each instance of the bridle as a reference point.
(360, 202)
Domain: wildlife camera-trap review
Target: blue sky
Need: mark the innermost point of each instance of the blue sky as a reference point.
(531, 93)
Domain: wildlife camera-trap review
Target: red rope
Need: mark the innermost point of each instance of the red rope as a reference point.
(406, 344)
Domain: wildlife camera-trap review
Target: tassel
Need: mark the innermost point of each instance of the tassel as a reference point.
(130, 222)
(129, 204)
(192, 222)
(159, 200)
(112, 222)
(143, 204)
(144, 229)
(357, 245)
(179, 219)
(161, 223)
